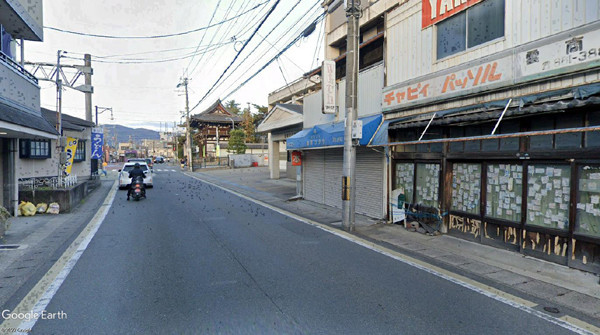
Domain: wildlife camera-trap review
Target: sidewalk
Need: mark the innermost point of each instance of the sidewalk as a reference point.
(39, 242)
(548, 282)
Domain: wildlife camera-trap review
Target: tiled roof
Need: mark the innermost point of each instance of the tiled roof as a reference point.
(25, 119)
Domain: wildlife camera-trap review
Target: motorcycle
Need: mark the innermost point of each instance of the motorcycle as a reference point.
(138, 190)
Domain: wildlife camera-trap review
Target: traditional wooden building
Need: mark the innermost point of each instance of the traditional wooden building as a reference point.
(212, 129)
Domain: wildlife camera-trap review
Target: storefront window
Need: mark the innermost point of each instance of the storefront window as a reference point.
(466, 187)
(405, 179)
(588, 203)
(428, 184)
(548, 196)
(504, 191)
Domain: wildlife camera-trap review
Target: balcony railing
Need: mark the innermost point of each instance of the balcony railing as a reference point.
(10, 62)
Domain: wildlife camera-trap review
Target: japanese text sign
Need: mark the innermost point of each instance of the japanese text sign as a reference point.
(97, 143)
(70, 150)
(452, 84)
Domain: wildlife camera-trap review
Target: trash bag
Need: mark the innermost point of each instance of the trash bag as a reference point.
(53, 208)
(41, 208)
(28, 209)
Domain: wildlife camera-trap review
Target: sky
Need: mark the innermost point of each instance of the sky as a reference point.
(138, 78)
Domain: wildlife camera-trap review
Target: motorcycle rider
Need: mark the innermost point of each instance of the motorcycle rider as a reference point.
(137, 171)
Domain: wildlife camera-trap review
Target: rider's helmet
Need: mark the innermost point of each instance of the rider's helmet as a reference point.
(137, 165)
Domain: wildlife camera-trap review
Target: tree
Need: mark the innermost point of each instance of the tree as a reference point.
(248, 125)
(233, 107)
(237, 139)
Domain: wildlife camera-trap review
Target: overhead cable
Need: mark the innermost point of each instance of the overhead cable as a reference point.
(270, 61)
(239, 52)
(154, 36)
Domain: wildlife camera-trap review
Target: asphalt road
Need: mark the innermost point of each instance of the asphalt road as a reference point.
(194, 259)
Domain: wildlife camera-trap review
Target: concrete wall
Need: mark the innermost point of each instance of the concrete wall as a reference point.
(18, 91)
(23, 18)
(29, 168)
(246, 160)
(67, 199)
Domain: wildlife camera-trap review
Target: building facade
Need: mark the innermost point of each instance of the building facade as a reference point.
(20, 113)
(491, 111)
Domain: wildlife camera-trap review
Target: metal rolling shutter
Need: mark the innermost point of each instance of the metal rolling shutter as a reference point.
(314, 175)
(334, 163)
(369, 183)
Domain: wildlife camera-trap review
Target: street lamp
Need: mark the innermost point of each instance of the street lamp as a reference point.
(103, 109)
(232, 123)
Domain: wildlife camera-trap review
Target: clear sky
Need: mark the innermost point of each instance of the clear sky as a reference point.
(132, 76)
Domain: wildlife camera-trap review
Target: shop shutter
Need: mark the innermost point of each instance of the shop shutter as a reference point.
(334, 163)
(314, 175)
(369, 183)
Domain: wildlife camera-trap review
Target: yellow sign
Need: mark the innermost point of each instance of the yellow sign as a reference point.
(218, 153)
(70, 150)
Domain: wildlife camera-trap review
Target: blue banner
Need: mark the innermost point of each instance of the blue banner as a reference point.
(97, 143)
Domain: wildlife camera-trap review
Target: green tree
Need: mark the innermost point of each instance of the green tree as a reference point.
(237, 141)
(233, 107)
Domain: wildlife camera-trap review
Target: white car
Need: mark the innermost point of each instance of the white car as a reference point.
(124, 179)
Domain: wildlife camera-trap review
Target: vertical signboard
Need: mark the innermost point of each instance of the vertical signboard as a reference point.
(296, 158)
(328, 86)
(70, 149)
(97, 143)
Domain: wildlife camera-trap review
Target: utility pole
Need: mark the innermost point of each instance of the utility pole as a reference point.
(58, 95)
(188, 141)
(87, 73)
(349, 176)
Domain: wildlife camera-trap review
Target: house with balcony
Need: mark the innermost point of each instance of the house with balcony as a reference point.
(20, 114)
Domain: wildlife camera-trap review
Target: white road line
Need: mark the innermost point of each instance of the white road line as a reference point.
(40, 296)
(172, 170)
(488, 291)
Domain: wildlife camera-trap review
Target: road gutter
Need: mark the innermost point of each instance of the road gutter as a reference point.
(36, 301)
(567, 322)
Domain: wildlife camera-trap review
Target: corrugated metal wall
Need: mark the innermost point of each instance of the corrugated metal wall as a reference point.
(334, 168)
(411, 50)
(369, 183)
(323, 179)
(314, 175)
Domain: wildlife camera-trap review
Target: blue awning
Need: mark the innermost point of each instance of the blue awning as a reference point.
(329, 135)
(381, 135)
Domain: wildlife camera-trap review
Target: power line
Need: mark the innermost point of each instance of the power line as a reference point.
(295, 39)
(259, 44)
(153, 36)
(238, 54)
(233, 40)
(204, 35)
(272, 59)
(281, 39)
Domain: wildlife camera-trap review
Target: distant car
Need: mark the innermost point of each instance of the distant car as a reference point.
(148, 161)
(159, 159)
(124, 179)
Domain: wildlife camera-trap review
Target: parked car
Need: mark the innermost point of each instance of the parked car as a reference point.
(124, 179)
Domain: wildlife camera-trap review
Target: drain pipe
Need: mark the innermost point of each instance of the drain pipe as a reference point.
(14, 151)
